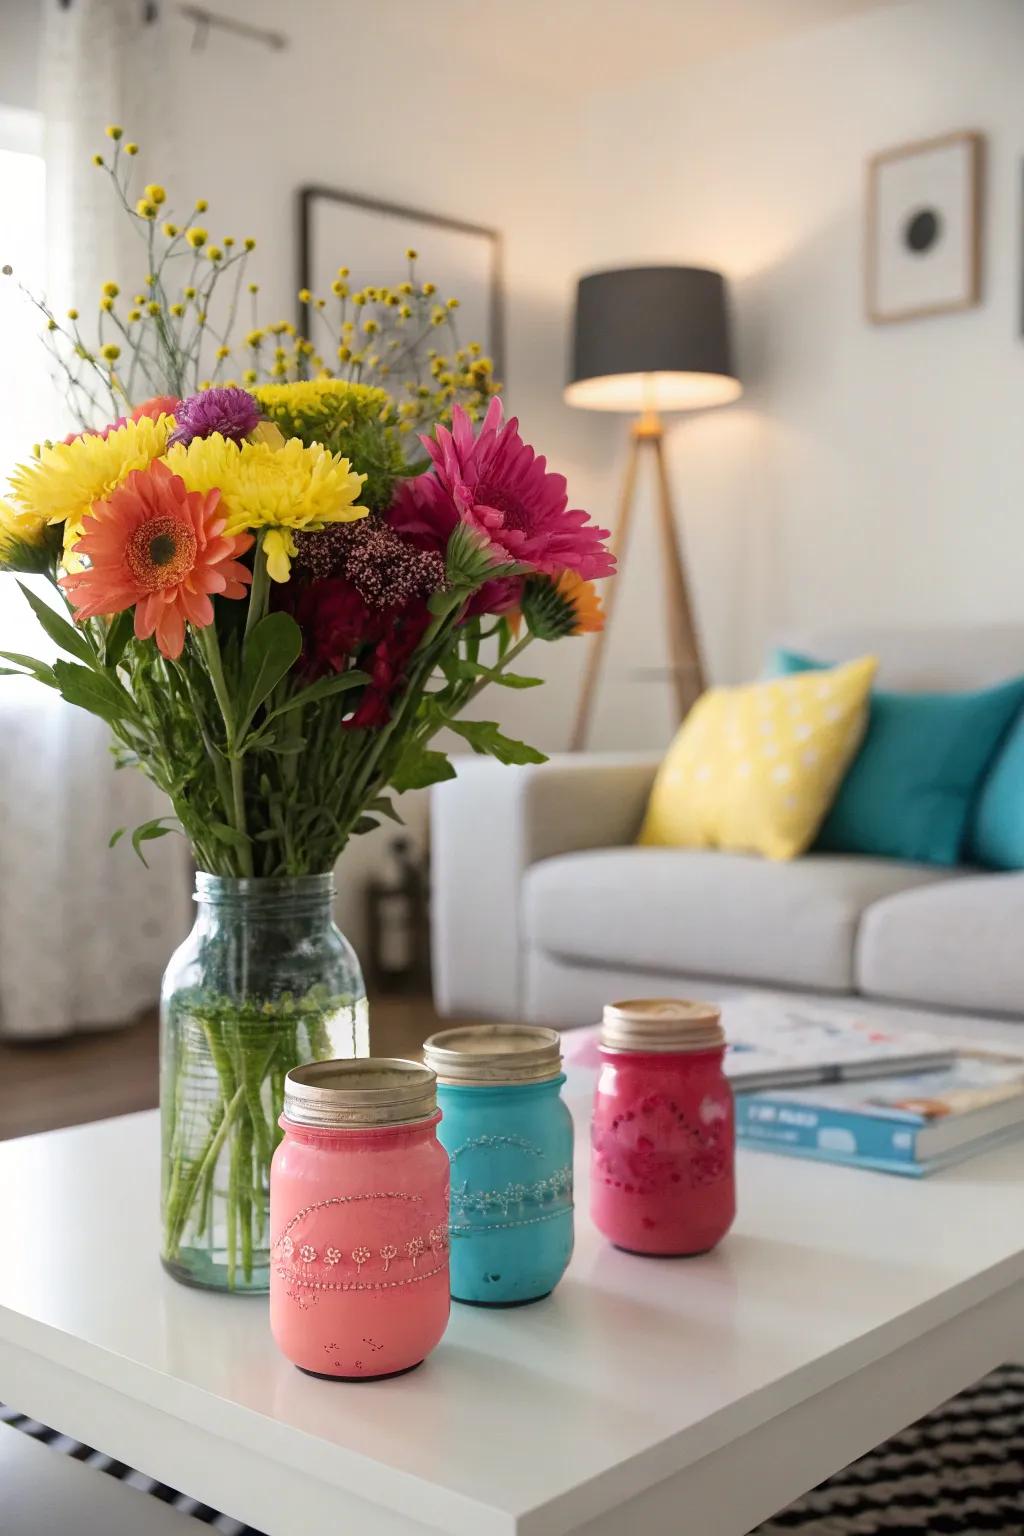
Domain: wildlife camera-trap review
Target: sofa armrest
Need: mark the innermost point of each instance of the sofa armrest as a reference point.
(488, 826)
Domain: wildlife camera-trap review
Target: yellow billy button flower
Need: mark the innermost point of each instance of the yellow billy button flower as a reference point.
(229, 241)
(249, 243)
(429, 288)
(305, 297)
(156, 193)
(177, 310)
(131, 148)
(215, 253)
(190, 292)
(72, 314)
(370, 327)
(254, 339)
(250, 376)
(451, 303)
(111, 290)
(51, 324)
(106, 305)
(110, 351)
(97, 160)
(169, 229)
(114, 132)
(223, 352)
(196, 237)
(134, 314)
(411, 254)
(254, 287)
(201, 205)
(152, 308)
(145, 209)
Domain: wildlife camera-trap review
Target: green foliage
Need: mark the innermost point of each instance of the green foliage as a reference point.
(485, 737)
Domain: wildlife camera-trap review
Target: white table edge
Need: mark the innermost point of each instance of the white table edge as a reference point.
(48, 1355)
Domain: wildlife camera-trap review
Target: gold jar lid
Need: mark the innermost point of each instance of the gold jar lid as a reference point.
(367, 1092)
(494, 1055)
(661, 1024)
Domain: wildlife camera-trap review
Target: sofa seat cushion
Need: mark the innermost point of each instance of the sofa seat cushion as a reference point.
(958, 945)
(708, 913)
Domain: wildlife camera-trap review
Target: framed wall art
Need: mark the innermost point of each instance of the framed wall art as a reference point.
(924, 228)
(371, 238)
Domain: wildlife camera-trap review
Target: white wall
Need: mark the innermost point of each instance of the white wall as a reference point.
(869, 471)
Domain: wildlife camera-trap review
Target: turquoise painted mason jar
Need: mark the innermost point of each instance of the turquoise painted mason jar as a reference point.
(509, 1140)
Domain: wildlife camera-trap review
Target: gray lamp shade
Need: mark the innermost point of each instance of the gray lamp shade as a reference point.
(651, 339)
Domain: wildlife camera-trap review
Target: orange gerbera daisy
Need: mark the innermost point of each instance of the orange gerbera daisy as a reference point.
(555, 606)
(161, 549)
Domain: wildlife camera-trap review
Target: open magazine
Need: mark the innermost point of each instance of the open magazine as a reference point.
(785, 1042)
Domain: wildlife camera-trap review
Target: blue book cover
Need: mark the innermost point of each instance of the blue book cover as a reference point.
(909, 1124)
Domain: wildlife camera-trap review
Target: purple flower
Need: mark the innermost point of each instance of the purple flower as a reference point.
(231, 412)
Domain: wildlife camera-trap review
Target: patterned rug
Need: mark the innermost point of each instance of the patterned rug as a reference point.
(958, 1472)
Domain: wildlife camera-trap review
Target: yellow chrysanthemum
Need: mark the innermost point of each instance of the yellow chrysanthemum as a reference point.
(62, 484)
(284, 489)
(18, 531)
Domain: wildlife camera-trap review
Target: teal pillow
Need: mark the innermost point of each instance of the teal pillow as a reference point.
(996, 834)
(909, 791)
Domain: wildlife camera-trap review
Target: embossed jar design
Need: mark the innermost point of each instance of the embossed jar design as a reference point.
(509, 1138)
(662, 1177)
(359, 1219)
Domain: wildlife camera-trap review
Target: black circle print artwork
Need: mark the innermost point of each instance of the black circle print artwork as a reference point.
(922, 230)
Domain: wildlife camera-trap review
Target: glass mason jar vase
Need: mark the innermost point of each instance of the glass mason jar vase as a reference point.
(265, 981)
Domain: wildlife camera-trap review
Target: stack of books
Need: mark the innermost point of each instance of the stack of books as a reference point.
(819, 1082)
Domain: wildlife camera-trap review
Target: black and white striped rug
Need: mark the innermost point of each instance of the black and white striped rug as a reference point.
(958, 1472)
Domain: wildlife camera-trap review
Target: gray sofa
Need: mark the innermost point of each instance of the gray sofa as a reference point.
(544, 909)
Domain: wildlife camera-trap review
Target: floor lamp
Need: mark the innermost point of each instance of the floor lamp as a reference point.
(649, 340)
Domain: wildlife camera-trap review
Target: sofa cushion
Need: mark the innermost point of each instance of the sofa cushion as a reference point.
(704, 912)
(957, 945)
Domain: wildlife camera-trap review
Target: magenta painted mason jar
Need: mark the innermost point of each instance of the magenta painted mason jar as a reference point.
(359, 1219)
(662, 1172)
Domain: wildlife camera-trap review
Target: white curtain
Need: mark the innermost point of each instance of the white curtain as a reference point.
(85, 931)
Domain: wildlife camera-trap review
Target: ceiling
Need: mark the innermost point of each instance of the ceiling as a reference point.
(595, 44)
(565, 46)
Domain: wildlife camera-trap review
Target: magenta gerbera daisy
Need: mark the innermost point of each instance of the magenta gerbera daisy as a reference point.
(498, 485)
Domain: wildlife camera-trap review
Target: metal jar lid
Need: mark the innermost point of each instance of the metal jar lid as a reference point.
(367, 1092)
(661, 1024)
(493, 1055)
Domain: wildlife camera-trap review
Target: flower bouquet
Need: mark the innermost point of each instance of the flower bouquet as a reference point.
(276, 589)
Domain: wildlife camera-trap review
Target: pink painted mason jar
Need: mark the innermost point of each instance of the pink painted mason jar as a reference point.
(662, 1172)
(359, 1219)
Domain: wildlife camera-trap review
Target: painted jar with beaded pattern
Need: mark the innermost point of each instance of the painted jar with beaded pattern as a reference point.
(662, 1164)
(359, 1219)
(509, 1138)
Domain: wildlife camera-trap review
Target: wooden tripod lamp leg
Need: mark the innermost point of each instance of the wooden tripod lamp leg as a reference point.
(620, 537)
(683, 641)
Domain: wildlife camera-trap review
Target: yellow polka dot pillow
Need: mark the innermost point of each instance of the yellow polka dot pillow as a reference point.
(755, 769)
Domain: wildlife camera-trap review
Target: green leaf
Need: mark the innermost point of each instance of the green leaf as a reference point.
(485, 737)
(92, 691)
(59, 630)
(147, 833)
(419, 767)
(269, 654)
(115, 837)
(323, 688)
(121, 629)
(383, 806)
(229, 835)
(465, 670)
(37, 669)
(364, 824)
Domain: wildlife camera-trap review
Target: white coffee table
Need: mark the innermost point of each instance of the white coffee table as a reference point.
(677, 1398)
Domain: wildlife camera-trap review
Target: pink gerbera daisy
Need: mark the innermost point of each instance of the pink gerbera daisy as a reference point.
(162, 549)
(497, 484)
